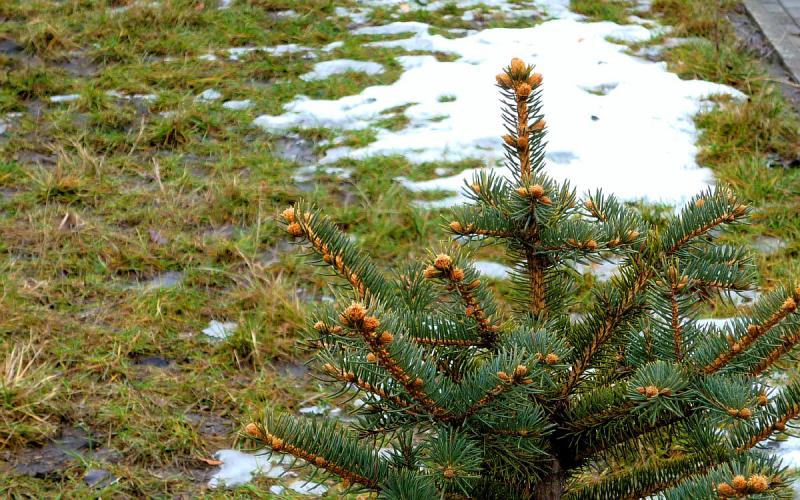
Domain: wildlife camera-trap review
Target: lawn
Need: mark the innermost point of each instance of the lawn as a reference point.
(138, 204)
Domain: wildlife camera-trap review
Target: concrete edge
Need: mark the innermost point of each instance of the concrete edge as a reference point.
(780, 29)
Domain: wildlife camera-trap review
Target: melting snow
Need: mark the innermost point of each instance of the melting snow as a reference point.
(219, 330)
(308, 488)
(239, 468)
(65, 98)
(237, 105)
(492, 269)
(208, 95)
(325, 69)
(636, 141)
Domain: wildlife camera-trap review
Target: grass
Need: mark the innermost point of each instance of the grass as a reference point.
(100, 195)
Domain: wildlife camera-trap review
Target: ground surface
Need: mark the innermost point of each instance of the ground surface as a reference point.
(137, 200)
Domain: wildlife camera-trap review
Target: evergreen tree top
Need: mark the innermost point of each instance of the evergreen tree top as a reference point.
(635, 398)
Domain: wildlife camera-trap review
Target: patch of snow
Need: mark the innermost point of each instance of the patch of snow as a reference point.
(208, 95)
(603, 270)
(289, 48)
(326, 69)
(220, 331)
(237, 105)
(333, 46)
(308, 488)
(208, 57)
(637, 141)
(276, 489)
(224, 4)
(356, 16)
(718, 322)
(491, 269)
(240, 468)
(65, 98)
(769, 245)
(788, 451)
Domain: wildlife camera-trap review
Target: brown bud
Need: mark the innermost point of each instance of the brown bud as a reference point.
(320, 462)
(520, 371)
(551, 359)
(736, 347)
(763, 400)
(276, 443)
(535, 80)
(442, 262)
(503, 80)
(739, 482)
(539, 125)
(665, 391)
(456, 227)
(418, 382)
(431, 272)
(651, 391)
(614, 242)
(591, 245)
(294, 229)
(345, 484)
(449, 472)
(632, 235)
(510, 140)
(327, 258)
(288, 215)
(475, 187)
(789, 305)
(641, 390)
(752, 329)
(758, 483)
(503, 376)
(523, 90)
(522, 142)
(319, 326)
(518, 66)
(355, 312)
(745, 413)
(370, 324)
(739, 210)
(457, 274)
(252, 430)
(589, 204)
(780, 426)
(522, 191)
(536, 190)
(699, 202)
(337, 329)
(732, 412)
(372, 358)
(726, 490)
(545, 200)
(386, 338)
(329, 368)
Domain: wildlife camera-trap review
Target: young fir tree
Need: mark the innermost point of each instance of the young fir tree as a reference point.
(631, 399)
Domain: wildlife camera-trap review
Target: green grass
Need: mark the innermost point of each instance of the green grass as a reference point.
(100, 194)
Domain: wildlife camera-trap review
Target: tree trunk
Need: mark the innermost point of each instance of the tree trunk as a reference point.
(550, 487)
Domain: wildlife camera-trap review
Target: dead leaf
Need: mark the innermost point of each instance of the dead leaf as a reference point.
(69, 222)
(211, 461)
(200, 6)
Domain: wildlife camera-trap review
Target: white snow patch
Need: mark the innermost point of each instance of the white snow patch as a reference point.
(276, 489)
(220, 331)
(637, 141)
(602, 270)
(65, 98)
(235, 53)
(308, 488)
(788, 451)
(239, 468)
(208, 95)
(326, 69)
(491, 269)
(224, 4)
(333, 46)
(208, 57)
(237, 105)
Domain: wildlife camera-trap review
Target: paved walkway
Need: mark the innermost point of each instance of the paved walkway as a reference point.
(780, 22)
